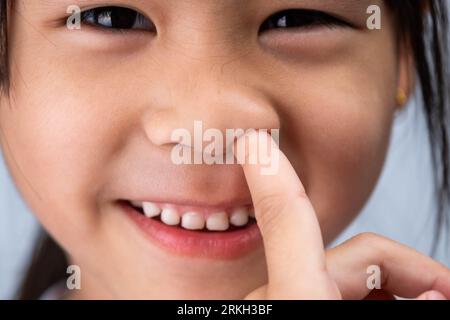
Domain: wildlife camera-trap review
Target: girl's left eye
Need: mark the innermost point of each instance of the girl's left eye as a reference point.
(118, 18)
(301, 19)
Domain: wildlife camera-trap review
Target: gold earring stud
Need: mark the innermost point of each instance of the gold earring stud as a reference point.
(402, 98)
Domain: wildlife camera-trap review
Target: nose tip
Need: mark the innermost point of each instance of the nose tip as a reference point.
(205, 117)
(210, 146)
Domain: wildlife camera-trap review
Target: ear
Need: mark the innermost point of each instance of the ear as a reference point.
(406, 75)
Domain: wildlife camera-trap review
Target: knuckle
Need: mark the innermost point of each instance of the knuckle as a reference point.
(370, 240)
(367, 237)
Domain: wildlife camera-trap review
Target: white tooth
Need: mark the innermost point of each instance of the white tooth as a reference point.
(239, 217)
(192, 221)
(137, 204)
(151, 210)
(170, 217)
(251, 212)
(217, 221)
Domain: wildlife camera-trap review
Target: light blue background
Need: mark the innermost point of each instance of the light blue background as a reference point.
(401, 207)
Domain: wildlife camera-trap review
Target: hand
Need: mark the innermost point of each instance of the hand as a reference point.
(404, 272)
(297, 264)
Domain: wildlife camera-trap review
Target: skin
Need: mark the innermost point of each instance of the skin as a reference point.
(281, 202)
(90, 114)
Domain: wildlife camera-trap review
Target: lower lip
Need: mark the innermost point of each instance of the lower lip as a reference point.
(216, 245)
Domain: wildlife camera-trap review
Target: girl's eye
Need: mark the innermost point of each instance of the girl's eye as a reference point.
(119, 18)
(299, 18)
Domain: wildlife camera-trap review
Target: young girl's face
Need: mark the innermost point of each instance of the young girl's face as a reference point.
(87, 127)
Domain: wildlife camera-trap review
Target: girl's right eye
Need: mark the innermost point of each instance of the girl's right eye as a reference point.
(117, 18)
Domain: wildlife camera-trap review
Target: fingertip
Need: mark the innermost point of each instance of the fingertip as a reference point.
(249, 144)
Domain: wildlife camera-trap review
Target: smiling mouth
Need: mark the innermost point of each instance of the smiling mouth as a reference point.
(197, 231)
(196, 219)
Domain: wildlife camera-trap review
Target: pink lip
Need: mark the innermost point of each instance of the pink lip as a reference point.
(216, 245)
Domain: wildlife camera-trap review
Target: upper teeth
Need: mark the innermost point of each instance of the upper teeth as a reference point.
(170, 217)
(191, 220)
(150, 209)
(239, 217)
(218, 222)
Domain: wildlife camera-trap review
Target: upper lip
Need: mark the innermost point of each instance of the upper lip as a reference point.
(150, 176)
(185, 191)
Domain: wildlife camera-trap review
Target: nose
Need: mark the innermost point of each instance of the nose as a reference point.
(220, 101)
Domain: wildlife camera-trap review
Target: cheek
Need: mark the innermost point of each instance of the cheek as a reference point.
(336, 136)
(57, 147)
(343, 156)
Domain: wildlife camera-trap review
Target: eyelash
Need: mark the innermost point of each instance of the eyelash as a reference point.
(302, 19)
(124, 19)
(106, 17)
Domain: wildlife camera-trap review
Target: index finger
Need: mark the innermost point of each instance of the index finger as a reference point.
(286, 218)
